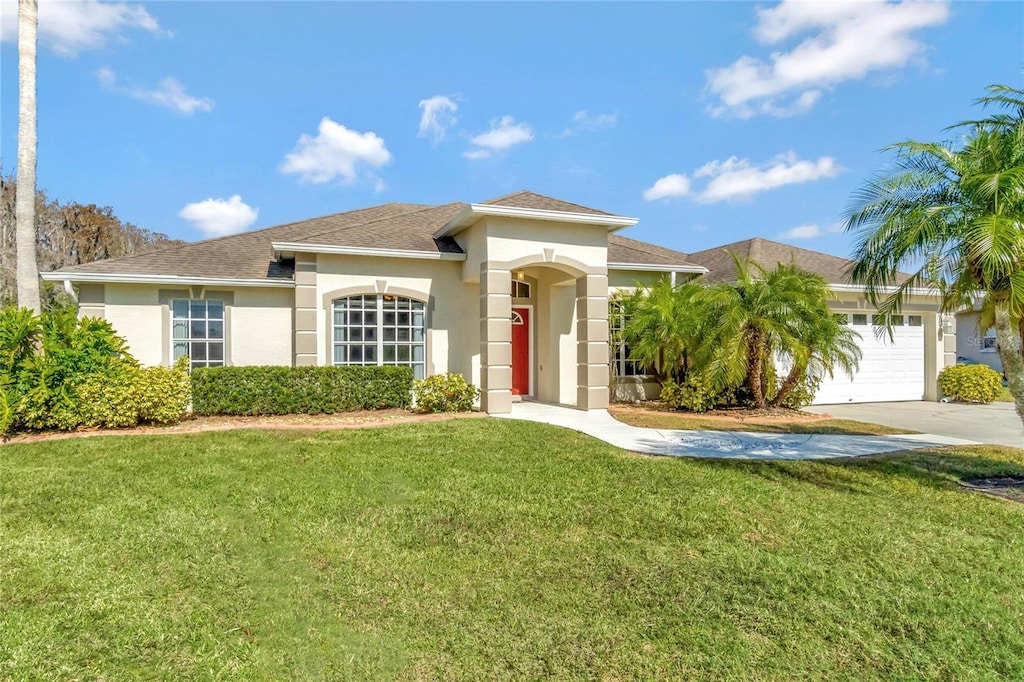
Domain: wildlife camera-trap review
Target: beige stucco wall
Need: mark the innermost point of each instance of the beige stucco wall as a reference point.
(453, 334)
(261, 327)
(258, 321)
(135, 312)
(969, 335)
(509, 239)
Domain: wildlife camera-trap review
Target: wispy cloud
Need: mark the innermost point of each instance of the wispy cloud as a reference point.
(738, 179)
(810, 231)
(169, 93)
(842, 41)
(70, 27)
(219, 217)
(504, 133)
(670, 186)
(438, 115)
(583, 122)
(335, 152)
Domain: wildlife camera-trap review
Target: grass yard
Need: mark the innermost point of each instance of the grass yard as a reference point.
(786, 421)
(493, 549)
(1004, 396)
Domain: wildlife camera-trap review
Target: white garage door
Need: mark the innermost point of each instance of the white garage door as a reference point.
(889, 369)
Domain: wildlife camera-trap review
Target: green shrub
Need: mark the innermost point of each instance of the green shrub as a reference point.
(58, 372)
(150, 395)
(695, 393)
(298, 390)
(971, 383)
(803, 393)
(445, 393)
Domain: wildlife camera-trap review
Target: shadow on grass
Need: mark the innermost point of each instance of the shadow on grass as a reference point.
(938, 468)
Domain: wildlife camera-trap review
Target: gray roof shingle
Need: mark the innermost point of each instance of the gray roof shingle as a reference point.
(768, 254)
(399, 226)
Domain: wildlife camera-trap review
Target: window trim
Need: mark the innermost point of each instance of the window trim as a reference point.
(188, 298)
(382, 288)
(164, 298)
(614, 348)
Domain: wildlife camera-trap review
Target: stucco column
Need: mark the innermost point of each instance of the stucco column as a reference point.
(305, 345)
(495, 340)
(592, 342)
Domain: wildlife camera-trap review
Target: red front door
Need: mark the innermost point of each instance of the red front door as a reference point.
(520, 351)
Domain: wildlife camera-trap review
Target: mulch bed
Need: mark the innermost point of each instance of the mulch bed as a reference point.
(1006, 487)
(733, 414)
(307, 422)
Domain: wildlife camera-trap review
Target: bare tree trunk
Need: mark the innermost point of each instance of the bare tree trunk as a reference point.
(1008, 341)
(25, 196)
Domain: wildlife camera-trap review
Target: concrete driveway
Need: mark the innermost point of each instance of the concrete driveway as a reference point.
(996, 423)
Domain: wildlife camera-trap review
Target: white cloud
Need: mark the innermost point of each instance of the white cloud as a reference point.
(802, 232)
(504, 133)
(583, 122)
(218, 217)
(737, 178)
(438, 115)
(170, 93)
(674, 185)
(335, 152)
(810, 231)
(69, 27)
(842, 41)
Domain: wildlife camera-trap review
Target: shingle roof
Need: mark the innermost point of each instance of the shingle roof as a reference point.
(527, 199)
(399, 226)
(625, 250)
(767, 253)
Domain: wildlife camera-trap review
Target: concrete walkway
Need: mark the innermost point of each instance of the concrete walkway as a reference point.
(996, 423)
(720, 444)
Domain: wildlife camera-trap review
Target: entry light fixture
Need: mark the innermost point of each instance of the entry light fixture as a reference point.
(520, 275)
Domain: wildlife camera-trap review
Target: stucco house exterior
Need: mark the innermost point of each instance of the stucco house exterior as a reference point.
(973, 343)
(512, 292)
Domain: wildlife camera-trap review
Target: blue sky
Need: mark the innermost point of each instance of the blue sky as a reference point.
(710, 122)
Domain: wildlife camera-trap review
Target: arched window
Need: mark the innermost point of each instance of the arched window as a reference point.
(380, 329)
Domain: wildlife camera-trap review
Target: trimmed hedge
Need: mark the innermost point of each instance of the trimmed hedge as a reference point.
(298, 390)
(971, 383)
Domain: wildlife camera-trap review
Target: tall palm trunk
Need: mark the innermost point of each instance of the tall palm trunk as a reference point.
(755, 368)
(1009, 342)
(25, 196)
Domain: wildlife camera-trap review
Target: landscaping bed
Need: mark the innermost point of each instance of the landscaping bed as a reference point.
(657, 415)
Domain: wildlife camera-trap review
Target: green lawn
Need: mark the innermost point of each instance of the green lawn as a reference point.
(1004, 396)
(493, 549)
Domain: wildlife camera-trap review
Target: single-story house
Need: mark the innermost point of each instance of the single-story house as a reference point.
(512, 293)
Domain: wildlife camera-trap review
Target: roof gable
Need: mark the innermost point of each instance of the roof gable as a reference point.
(532, 200)
(768, 254)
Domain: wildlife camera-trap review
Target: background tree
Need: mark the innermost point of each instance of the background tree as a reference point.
(953, 213)
(27, 269)
(66, 234)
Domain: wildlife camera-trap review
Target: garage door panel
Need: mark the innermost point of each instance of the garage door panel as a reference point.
(890, 369)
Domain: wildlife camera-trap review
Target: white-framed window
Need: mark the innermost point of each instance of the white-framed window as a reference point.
(625, 366)
(197, 330)
(988, 341)
(380, 329)
(520, 289)
(860, 319)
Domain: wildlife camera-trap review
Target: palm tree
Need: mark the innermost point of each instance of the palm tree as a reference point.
(659, 324)
(25, 196)
(953, 213)
(765, 316)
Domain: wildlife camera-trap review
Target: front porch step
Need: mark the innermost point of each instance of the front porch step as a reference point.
(517, 398)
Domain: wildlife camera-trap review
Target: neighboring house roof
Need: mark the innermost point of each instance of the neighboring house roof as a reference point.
(768, 254)
(399, 227)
